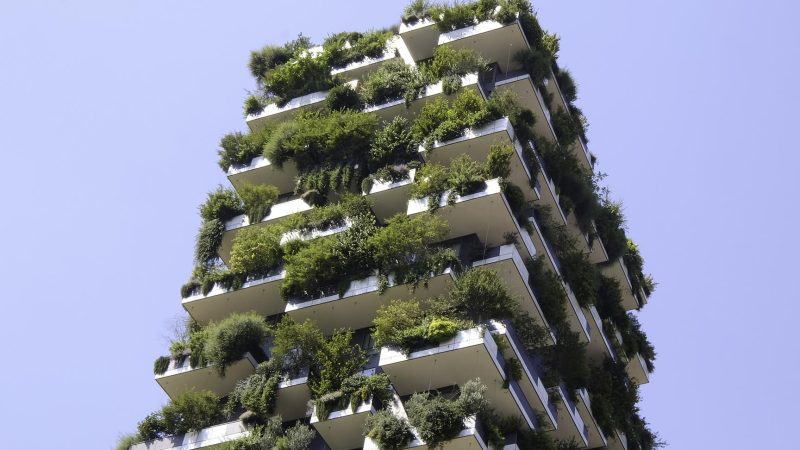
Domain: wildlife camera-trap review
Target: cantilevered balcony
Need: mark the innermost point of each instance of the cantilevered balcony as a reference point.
(531, 381)
(485, 213)
(181, 377)
(508, 263)
(387, 111)
(389, 198)
(395, 50)
(293, 396)
(261, 295)
(207, 438)
(494, 41)
(578, 148)
(637, 369)
(571, 425)
(596, 436)
(342, 429)
(273, 113)
(279, 212)
(618, 441)
(470, 438)
(600, 346)
(420, 38)
(476, 144)
(261, 171)
(357, 306)
(619, 271)
(471, 354)
(520, 83)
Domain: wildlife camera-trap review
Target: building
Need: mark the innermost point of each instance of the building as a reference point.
(414, 254)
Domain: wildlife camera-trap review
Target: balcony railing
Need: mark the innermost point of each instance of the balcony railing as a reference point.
(207, 438)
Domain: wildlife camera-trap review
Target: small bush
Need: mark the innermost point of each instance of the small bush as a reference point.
(209, 238)
(448, 62)
(567, 85)
(222, 204)
(270, 57)
(536, 61)
(392, 81)
(257, 200)
(303, 75)
(160, 365)
(441, 330)
(253, 105)
(399, 324)
(192, 411)
(438, 419)
(238, 149)
(387, 430)
(466, 176)
(342, 97)
(229, 339)
(152, 427)
(393, 144)
(256, 250)
(126, 441)
(498, 164)
(256, 393)
(611, 229)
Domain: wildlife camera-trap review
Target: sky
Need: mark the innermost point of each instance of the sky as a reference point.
(110, 115)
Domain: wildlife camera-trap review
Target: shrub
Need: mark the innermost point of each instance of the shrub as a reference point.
(257, 200)
(302, 75)
(498, 163)
(360, 388)
(391, 81)
(336, 359)
(229, 339)
(392, 144)
(611, 230)
(296, 344)
(466, 176)
(253, 105)
(566, 126)
(635, 264)
(298, 437)
(577, 186)
(209, 238)
(152, 427)
(441, 330)
(415, 11)
(342, 97)
(399, 324)
(448, 62)
(191, 411)
(125, 441)
(256, 393)
(160, 365)
(270, 57)
(431, 181)
(345, 48)
(581, 275)
(441, 121)
(256, 250)
(222, 204)
(238, 149)
(403, 247)
(567, 85)
(536, 61)
(438, 419)
(387, 430)
(313, 266)
(478, 295)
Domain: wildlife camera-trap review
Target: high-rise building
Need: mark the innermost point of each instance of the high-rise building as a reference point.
(415, 253)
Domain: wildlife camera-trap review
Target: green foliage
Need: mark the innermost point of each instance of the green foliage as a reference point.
(358, 388)
(272, 436)
(478, 295)
(392, 144)
(635, 264)
(314, 265)
(567, 85)
(303, 75)
(270, 57)
(610, 224)
(237, 149)
(342, 97)
(513, 369)
(441, 329)
(191, 411)
(431, 181)
(567, 127)
(209, 238)
(318, 139)
(256, 250)
(387, 430)
(296, 344)
(337, 360)
(345, 48)
(441, 120)
(438, 419)
(613, 397)
(256, 393)
(222, 204)
(229, 340)
(448, 62)
(253, 105)
(403, 246)
(330, 216)
(536, 61)
(393, 80)
(415, 11)
(552, 43)
(152, 427)
(160, 365)
(399, 324)
(498, 163)
(125, 441)
(257, 200)
(577, 187)
(581, 275)
(466, 176)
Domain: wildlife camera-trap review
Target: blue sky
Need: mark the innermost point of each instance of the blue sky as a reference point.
(110, 116)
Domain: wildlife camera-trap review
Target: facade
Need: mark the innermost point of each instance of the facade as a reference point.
(414, 253)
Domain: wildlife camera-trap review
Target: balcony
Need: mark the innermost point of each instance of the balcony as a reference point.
(181, 377)
(275, 114)
(637, 370)
(387, 111)
(493, 40)
(571, 425)
(485, 213)
(420, 38)
(261, 295)
(395, 49)
(262, 171)
(293, 397)
(470, 354)
(279, 211)
(389, 198)
(578, 148)
(470, 438)
(207, 438)
(521, 84)
(600, 346)
(476, 143)
(357, 306)
(618, 441)
(531, 382)
(342, 429)
(618, 271)
(596, 437)
(508, 263)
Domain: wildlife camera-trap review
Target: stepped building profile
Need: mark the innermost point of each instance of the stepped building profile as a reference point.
(414, 252)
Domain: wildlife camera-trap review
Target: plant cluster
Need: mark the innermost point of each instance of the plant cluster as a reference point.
(387, 430)
(272, 435)
(346, 48)
(438, 418)
(191, 411)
